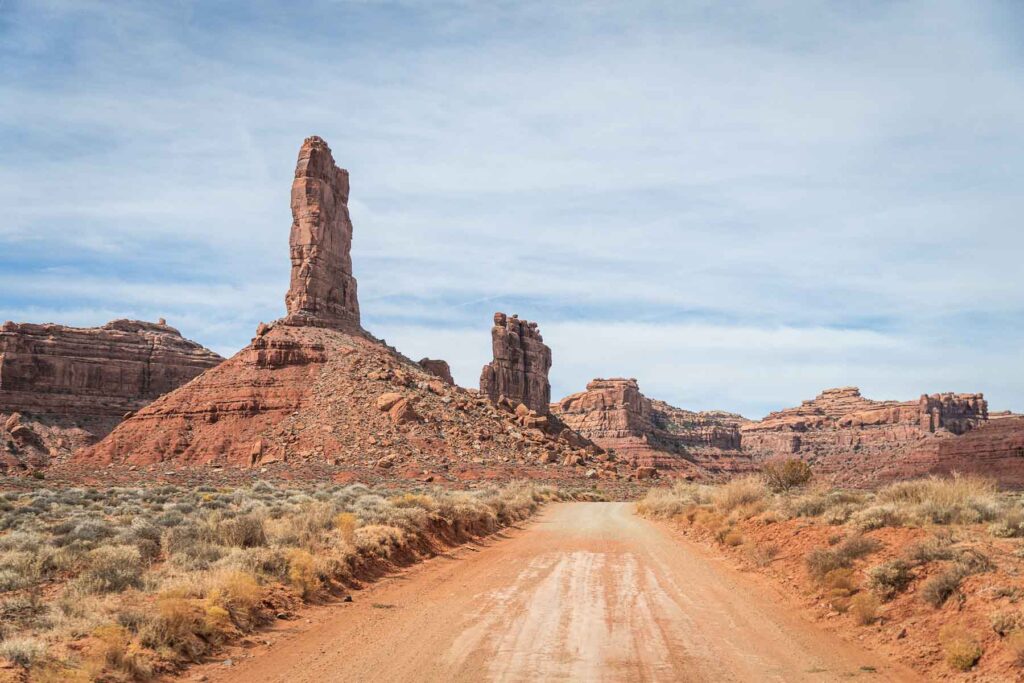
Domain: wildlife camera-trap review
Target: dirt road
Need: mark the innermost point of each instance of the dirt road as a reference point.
(586, 592)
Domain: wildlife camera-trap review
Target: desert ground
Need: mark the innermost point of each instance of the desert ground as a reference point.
(583, 592)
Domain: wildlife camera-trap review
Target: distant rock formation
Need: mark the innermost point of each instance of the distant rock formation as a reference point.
(653, 434)
(519, 371)
(64, 387)
(315, 395)
(438, 368)
(854, 438)
(323, 290)
(994, 449)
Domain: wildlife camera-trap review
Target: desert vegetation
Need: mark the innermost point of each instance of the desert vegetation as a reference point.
(125, 583)
(930, 567)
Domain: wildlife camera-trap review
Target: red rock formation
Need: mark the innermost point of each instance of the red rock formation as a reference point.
(853, 438)
(994, 449)
(438, 368)
(323, 290)
(315, 391)
(645, 433)
(519, 371)
(64, 387)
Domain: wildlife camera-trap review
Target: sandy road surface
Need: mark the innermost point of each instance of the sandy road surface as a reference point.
(586, 592)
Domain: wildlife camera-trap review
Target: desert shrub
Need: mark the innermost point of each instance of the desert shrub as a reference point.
(244, 531)
(302, 574)
(810, 505)
(378, 540)
(346, 524)
(24, 652)
(1011, 526)
(762, 555)
(960, 648)
(876, 517)
(177, 625)
(937, 589)
(957, 499)
(821, 561)
(116, 651)
(1005, 623)
(733, 538)
(930, 550)
(839, 587)
(889, 578)
(1015, 645)
(111, 569)
(18, 569)
(739, 492)
(785, 474)
(864, 608)
(239, 595)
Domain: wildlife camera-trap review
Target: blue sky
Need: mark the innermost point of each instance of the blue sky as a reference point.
(739, 204)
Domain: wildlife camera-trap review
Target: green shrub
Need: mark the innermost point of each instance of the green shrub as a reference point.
(786, 474)
(889, 578)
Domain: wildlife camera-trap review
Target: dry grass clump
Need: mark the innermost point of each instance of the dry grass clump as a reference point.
(821, 561)
(148, 577)
(1005, 623)
(961, 648)
(889, 578)
(954, 500)
(865, 607)
(667, 502)
(742, 492)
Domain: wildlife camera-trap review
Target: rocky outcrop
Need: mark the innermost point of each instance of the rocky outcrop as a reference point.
(853, 438)
(315, 395)
(322, 290)
(438, 368)
(653, 434)
(994, 449)
(65, 387)
(519, 371)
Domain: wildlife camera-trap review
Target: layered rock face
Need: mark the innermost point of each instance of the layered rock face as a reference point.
(854, 438)
(323, 290)
(519, 371)
(645, 433)
(315, 395)
(64, 387)
(993, 449)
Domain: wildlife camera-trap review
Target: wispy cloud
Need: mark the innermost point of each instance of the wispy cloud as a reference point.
(781, 195)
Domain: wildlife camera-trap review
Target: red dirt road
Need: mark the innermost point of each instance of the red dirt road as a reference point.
(585, 592)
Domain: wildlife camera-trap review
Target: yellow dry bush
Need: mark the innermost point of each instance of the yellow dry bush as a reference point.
(238, 594)
(961, 649)
(346, 524)
(739, 492)
(302, 573)
(418, 500)
(864, 608)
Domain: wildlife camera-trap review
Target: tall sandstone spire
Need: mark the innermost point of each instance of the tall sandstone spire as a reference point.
(322, 291)
(519, 371)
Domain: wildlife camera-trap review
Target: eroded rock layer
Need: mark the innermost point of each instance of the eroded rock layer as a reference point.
(854, 439)
(65, 387)
(994, 449)
(646, 433)
(322, 290)
(519, 371)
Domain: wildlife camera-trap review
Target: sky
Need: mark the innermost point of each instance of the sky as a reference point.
(739, 204)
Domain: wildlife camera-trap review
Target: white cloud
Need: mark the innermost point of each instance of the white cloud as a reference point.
(772, 198)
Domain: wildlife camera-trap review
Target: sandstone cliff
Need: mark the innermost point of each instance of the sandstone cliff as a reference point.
(64, 387)
(646, 433)
(853, 438)
(314, 391)
(519, 371)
